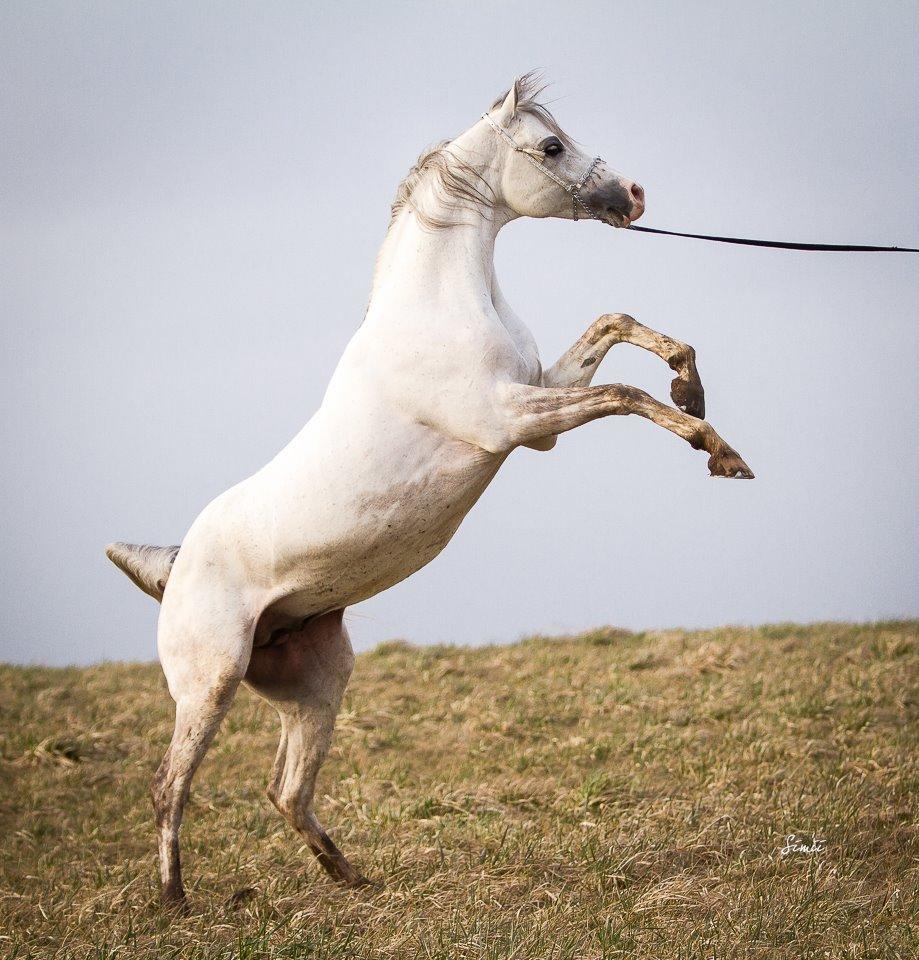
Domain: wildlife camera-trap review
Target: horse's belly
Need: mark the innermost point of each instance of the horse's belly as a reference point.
(358, 538)
(390, 551)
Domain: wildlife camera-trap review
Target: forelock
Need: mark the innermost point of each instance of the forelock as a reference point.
(529, 88)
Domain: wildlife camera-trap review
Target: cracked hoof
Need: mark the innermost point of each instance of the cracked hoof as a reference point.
(689, 396)
(728, 463)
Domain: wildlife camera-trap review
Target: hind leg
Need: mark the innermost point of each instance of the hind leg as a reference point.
(308, 734)
(304, 678)
(198, 716)
(204, 664)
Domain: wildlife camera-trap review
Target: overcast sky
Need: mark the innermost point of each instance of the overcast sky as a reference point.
(192, 198)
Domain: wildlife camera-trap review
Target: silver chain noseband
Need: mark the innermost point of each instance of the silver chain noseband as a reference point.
(573, 189)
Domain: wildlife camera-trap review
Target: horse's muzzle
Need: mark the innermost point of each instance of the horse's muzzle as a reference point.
(619, 202)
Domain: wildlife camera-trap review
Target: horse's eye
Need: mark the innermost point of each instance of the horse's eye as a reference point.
(552, 147)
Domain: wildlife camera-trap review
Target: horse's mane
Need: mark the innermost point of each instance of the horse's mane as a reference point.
(450, 178)
(454, 179)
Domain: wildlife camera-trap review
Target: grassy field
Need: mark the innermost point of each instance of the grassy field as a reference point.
(606, 795)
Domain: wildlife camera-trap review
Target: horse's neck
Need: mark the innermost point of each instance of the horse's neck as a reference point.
(419, 263)
(436, 278)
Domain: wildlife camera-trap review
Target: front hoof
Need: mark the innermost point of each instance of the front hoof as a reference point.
(689, 396)
(727, 463)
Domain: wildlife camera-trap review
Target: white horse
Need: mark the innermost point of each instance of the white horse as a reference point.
(438, 385)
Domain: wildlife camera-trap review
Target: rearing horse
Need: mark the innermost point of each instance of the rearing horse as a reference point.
(438, 385)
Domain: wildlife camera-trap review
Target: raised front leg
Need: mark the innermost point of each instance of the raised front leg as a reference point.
(576, 368)
(530, 414)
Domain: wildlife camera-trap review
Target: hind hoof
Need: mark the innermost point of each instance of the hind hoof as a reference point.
(359, 881)
(728, 463)
(241, 897)
(174, 902)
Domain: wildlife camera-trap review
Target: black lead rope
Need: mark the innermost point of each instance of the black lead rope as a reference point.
(780, 244)
(573, 188)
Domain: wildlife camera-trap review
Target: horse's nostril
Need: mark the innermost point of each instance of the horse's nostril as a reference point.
(637, 193)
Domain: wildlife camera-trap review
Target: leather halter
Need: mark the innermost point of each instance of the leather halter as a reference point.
(572, 188)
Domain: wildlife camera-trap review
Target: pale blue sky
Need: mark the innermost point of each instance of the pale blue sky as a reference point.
(192, 198)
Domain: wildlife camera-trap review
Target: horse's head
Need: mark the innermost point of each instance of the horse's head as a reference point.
(546, 174)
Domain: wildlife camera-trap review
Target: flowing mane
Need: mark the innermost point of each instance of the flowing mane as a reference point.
(453, 179)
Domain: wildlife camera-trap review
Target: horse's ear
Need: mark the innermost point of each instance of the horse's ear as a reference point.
(508, 109)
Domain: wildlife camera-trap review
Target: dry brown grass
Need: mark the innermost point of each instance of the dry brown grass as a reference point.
(608, 795)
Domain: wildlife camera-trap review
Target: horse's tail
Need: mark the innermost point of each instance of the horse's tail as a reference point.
(149, 567)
